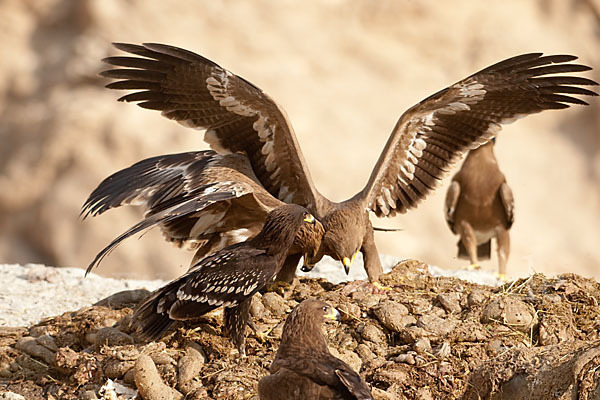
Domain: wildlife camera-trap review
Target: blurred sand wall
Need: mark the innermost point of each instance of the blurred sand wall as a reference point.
(343, 69)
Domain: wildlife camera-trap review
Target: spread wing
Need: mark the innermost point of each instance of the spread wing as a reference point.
(196, 198)
(237, 116)
(432, 135)
(508, 202)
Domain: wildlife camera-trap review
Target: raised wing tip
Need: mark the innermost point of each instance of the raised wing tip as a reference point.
(127, 46)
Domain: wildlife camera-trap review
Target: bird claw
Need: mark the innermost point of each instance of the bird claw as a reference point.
(501, 277)
(279, 287)
(264, 335)
(473, 267)
(380, 287)
(368, 287)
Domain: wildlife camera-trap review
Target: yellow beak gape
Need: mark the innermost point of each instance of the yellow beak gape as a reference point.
(347, 261)
(334, 315)
(310, 219)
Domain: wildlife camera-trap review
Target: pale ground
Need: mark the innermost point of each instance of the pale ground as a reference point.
(344, 70)
(32, 292)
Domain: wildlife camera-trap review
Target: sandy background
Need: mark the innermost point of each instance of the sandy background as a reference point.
(343, 69)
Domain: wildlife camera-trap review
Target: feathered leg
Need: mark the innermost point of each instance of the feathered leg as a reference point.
(503, 242)
(235, 320)
(371, 256)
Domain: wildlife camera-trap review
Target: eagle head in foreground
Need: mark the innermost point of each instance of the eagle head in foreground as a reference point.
(303, 367)
(227, 278)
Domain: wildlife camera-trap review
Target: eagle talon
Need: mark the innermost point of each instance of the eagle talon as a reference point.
(473, 267)
(279, 287)
(381, 287)
(501, 277)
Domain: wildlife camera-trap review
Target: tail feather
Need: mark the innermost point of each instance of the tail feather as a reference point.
(151, 318)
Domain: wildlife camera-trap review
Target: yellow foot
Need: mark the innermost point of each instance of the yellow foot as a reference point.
(473, 267)
(368, 287)
(501, 277)
(380, 287)
(279, 287)
(264, 335)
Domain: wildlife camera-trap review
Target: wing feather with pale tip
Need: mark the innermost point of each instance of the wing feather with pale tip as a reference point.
(237, 116)
(225, 279)
(430, 136)
(196, 198)
(179, 217)
(150, 182)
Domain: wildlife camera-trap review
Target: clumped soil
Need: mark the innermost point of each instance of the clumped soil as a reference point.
(426, 338)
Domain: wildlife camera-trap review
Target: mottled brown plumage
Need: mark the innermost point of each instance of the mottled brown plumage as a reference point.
(480, 207)
(202, 200)
(428, 138)
(228, 278)
(304, 368)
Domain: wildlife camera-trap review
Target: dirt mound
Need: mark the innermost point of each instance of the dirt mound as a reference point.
(426, 338)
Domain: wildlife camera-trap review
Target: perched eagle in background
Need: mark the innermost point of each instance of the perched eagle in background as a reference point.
(480, 206)
(240, 118)
(304, 368)
(227, 278)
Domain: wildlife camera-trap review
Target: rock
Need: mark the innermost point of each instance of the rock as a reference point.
(11, 396)
(125, 298)
(110, 336)
(48, 342)
(450, 302)
(511, 312)
(67, 358)
(422, 345)
(115, 369)
(373, 334)
(349, 311)
(364, 352)
(190, 366)
(391, 315)
(423, 393)
(538, 373)
(407, 358)
(257, 308)
(275, 304)
(149, 382)
(162, 358)
(379, 394)
(436, 325)
(349, 357)
(476, 298)
(88, 395)
(31, 347)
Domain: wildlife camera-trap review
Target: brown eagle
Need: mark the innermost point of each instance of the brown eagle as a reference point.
(480, 206)
(227, 278)
(304, 368)
(240, 119)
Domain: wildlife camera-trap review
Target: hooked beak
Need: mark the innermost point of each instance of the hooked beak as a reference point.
(334, 315)
(307, 266)
(348, 262)
(310, 219)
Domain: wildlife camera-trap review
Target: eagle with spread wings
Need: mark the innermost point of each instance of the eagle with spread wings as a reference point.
(258, 162)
